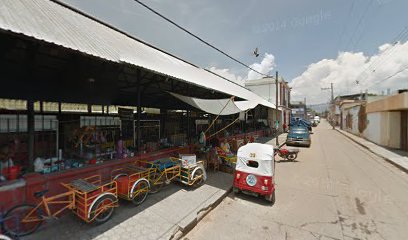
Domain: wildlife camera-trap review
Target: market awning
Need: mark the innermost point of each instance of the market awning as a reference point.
(217, 106)
(56, 23)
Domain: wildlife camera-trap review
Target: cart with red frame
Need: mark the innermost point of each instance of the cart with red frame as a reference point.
(90, 199)
(94, 200)
(133, 182)
(254, 171)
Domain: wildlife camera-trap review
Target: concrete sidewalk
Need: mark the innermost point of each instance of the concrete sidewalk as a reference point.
(272, 141)
(164, 215)
(396, 159)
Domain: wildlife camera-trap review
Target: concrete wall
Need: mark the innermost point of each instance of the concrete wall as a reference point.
(392, 103)
(351, 113)
(384, 128)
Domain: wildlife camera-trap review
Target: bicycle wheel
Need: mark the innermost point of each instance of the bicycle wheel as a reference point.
(198, 177)
(103, 208)
(13, 224)
(156, 182)
(140, 192)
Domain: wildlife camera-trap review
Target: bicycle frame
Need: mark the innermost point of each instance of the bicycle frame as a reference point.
(169, 173)
(46, 202)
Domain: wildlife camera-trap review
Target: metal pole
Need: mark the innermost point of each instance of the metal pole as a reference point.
(188, 127)
(30, 128)
(334, 106)
(332, 95)
(139, 109)
(277, 114)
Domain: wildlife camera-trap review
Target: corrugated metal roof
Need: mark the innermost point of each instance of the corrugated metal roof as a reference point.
(54, 23)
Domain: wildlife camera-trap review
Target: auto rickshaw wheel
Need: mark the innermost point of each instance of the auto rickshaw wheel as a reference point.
(156, 182)
(271, 198)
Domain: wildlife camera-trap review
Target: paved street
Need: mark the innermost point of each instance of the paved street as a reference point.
(336, 190)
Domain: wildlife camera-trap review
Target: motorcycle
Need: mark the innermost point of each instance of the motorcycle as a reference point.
(286, 153)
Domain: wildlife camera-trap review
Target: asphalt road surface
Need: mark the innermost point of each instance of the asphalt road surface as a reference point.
(336, 190)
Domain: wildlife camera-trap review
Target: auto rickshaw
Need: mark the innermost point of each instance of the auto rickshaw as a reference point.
(254, 171)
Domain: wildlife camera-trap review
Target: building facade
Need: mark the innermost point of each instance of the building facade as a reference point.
(266, 88)
(383, 121)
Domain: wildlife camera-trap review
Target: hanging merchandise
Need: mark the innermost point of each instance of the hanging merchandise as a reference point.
(202, 139)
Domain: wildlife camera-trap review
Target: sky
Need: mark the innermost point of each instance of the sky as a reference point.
(354, 44)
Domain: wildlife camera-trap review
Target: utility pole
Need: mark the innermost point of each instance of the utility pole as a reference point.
(277, 114)
(332, 96)
(332, 103)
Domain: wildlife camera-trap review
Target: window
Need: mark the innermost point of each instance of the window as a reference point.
(253, 164)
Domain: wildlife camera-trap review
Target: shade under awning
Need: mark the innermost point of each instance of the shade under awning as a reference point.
(217, 106)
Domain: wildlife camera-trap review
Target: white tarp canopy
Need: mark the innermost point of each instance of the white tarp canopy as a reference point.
(57, 23)
(217, 106)
(260, 153)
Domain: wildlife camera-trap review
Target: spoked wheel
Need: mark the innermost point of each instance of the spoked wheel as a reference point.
(271, 198)
(292, 156)
(140, 192)
(198, 177)
(102, 210)
(13, 220)
(156, 182)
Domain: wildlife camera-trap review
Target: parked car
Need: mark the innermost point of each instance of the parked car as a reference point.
(300, 122)
(298, 136)
(317, 119)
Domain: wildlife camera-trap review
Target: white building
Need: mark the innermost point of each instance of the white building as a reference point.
(266, 88)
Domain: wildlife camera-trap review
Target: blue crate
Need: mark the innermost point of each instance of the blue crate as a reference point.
(163, 163)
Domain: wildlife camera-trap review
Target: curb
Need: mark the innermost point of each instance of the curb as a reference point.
(377, 154)
(179, 233)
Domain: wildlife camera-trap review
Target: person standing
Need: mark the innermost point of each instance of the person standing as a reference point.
(5, 160)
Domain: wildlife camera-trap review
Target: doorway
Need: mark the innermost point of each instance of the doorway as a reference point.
(404, 130)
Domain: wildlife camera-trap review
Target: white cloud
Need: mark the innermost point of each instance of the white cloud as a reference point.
(266, 65)
(350, 67)
(228, 75)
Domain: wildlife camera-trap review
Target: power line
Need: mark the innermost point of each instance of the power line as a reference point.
(362, 32)
(391, 50)
(386, 54)
(198, 38)
(345, 25)
(359, 22)
(393, 75)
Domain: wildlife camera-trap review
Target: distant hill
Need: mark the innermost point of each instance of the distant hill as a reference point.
(319, 108)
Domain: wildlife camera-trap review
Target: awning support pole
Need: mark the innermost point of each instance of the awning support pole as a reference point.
(188, 127)
(139, 109)
(30, 128)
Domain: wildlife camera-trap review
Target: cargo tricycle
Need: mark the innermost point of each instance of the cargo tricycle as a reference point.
(133, 182)
(88, 198)
(165, 170)
(254, 171)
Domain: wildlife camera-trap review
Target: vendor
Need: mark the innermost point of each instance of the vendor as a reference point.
(5, 160)
(226, 147)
